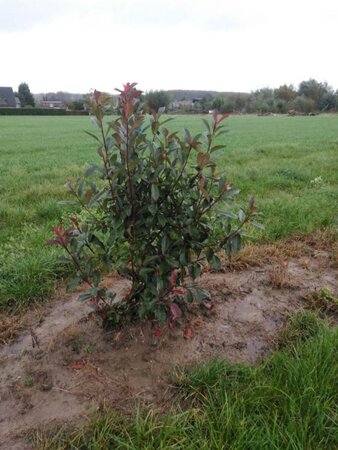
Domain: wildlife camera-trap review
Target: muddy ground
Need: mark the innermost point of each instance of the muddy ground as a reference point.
(61, 365)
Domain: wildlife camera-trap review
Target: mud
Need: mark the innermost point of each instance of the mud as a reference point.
(65, 366)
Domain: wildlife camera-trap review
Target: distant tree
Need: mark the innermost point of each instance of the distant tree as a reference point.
(304, 104)
(206, 103)
(25, 96)
(218, 103)
(156, 99)
(313, 89)
(223, 104)
(286, 93)
(76, 105)
(239, 102)
(263, 100)
(328, 102)
(282, 106)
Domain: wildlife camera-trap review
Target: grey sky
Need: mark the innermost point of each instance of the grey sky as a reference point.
(78, 45)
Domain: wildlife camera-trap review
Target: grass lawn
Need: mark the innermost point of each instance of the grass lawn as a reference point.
(273, 158)
(289, 401)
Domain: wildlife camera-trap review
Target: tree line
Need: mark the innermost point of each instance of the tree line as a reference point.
(310, 96)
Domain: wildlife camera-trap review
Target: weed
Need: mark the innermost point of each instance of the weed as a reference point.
(300, 326)
(89, 348)
(29, 382)
(323, 300)
(10, 327)
(77, 345)
(278, 275)
(317, 182)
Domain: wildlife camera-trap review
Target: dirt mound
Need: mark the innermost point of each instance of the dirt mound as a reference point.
(66, 365)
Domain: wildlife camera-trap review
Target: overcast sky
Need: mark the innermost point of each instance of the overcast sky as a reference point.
(224, 45)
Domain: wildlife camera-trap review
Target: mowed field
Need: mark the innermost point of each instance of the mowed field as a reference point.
(289, 164)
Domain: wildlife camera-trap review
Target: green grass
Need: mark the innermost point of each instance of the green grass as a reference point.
(288, 402)
(273, 158)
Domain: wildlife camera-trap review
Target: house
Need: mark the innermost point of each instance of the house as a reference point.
(57, 104)
(7, 98)
(181, 104)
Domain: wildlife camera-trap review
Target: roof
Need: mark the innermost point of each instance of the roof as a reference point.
(7, 97)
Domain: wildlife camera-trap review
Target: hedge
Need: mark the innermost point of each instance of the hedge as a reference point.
(40, 112)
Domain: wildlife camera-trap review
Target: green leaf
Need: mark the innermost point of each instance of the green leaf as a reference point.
(152, 208)
(87, 295)
(187, 135)
(146, 271)
(217, 147)
(236, 243)
(73, 284)
(206, 123)
(160, 314)
(80, 188)
(183, 258)
(93, 136)
(232, 192)
(216, 263)
(155, 193)
(96, 121)
(93, 168)
(209, 253)
(257, 224)
(96, 278)
(99, 196)
(230, 214)
(241, 215)
(160, 111)
(111, 296)
(194, 271)
(164, 244)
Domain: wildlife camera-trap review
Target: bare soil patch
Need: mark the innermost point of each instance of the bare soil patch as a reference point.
(64, 365)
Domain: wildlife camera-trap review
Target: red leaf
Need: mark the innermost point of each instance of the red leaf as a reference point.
(175, 311)
(178, 291)
(188, 333)
(74, 220)
(54, 241)
(201, 181)
(215, 115)
(223, 116)
(58, 231)
(218, 119)
(126, 88)
(97, 95)
(77, 365)
(158, 333)
(173, 277)
(208, 305)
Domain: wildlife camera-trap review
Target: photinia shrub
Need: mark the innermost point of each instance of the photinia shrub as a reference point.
(158, 210)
